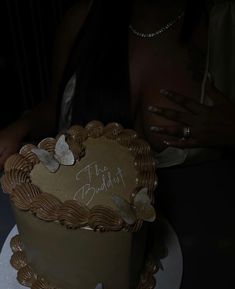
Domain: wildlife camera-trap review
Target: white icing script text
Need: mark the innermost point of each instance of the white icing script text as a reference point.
(104, 181)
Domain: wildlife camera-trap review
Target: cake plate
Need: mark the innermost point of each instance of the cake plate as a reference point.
(169, 277)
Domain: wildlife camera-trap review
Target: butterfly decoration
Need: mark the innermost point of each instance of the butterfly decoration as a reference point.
(141, 208)
(62, 155)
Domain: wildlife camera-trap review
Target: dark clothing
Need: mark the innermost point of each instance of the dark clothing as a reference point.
(99, 57)
(199, 203)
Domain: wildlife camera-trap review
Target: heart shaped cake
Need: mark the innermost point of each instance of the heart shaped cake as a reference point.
(82, 203)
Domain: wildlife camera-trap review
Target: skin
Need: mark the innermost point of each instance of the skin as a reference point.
(210, 126)
(166, 81)
(160, 63)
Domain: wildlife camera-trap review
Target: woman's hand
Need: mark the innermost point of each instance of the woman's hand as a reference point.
(199, 125)
(10, 141)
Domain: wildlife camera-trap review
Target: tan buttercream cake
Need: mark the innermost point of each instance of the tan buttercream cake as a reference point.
(80, 203)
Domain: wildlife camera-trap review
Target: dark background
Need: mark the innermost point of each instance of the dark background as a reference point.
(27, 30)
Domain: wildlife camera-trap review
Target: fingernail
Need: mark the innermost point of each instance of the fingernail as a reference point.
(156, 128)
(164, 91)
(209, 77)
(150, 108)
(165, 142)
(154, 109)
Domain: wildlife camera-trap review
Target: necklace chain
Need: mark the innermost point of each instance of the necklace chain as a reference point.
(158, 32)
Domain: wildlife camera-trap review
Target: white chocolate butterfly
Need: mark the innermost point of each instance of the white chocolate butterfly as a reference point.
(141, 208)
(62, 152)
(62, 155)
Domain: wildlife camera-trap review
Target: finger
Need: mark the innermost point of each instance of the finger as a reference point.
(178, 131)
(1, 151)
(2, 160)
(185, 102)
(182, 143)
(4, 154)
(1, 155)
(172, 114)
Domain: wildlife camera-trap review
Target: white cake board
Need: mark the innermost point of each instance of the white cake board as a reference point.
(169, 278)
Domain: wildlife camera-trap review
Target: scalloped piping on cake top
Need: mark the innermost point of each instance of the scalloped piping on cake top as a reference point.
(70, 213)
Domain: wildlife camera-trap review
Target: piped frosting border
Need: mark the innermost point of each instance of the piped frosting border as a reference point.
(27, 276)
(27, 197)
